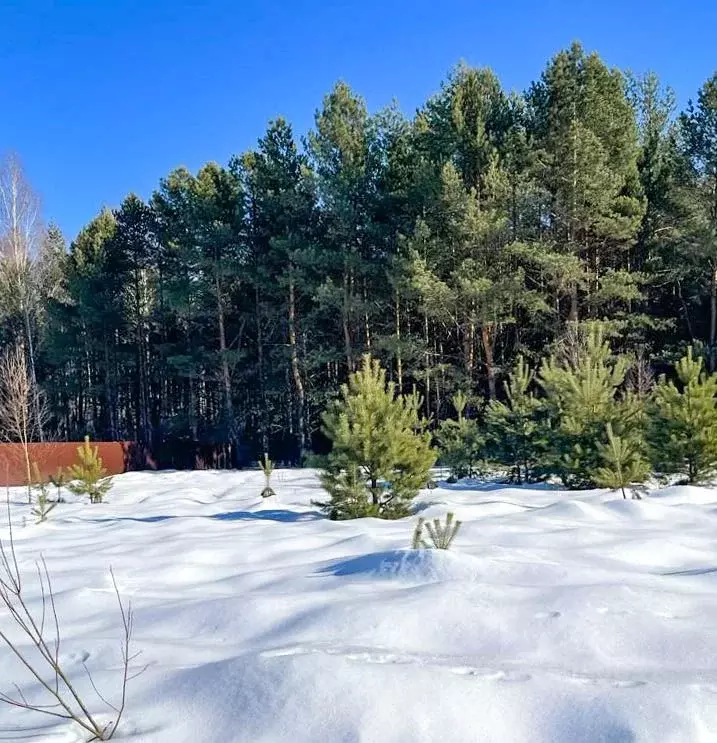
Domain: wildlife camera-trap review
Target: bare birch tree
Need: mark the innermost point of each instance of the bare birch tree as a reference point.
(23, 412)
(21, 237)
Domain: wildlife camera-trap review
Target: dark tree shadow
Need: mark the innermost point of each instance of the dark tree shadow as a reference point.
(488, 486)
(283, 516)
(692, 571)
(269, 515)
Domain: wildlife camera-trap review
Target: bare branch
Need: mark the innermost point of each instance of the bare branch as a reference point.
(48, 672)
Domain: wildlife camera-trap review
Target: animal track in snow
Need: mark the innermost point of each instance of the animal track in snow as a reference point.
(378, 657)
(283, 652)
(444, 664)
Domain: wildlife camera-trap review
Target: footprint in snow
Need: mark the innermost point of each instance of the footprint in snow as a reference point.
(627, 684)
(281, 652)
(547, 615)
(515, 677)
(476, 673)
(593, 681)
(491, 675)
(613, 612)
(379, 658)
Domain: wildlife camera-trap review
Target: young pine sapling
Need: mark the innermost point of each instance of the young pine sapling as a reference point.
(59, 480)
(267, 467)
(43, 505)
(441, 535)
(89, 475)
(623, 465)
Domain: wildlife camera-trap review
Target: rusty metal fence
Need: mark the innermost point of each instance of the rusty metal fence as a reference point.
(117, 457)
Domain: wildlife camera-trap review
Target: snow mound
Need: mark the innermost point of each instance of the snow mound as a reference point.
(686, 494)
(421, 566)
(575, 510)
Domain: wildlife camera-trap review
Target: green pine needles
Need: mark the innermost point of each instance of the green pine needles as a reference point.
(683, 422)
(381, 454)
(583, 385)
(517, 434)
(460, 442)
(42, 506)
(624, 464)
(440, 534)
(59, 480)
(88, 476)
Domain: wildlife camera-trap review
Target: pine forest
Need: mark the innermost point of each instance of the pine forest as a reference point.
(488, 251)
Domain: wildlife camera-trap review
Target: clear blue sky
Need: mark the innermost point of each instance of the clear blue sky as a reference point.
(104, 97)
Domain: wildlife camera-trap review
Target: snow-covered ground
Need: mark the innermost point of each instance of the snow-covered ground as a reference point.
(556, 618)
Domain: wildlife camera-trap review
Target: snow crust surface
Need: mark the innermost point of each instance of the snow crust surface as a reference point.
(557, 617)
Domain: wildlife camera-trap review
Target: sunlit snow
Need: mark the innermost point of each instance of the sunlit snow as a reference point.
(557, 617)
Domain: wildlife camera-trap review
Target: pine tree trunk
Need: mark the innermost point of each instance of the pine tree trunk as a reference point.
(109, 392)
(366, 321)
(296, 372)
(428, 366)
(375, 491)
(713, 317)
(193, 419)
(226, 375)
(573, 316)
(488, 338)
(399, 358)
(262, 381)
(345, 321)
(141, 402)
(685, 309)
(469, 335)
(572, 230)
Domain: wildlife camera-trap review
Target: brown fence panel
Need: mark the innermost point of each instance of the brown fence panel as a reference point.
(117, 457)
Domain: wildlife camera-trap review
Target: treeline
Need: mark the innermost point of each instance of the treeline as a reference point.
(589, 417)
(228, 309)
(586, 416)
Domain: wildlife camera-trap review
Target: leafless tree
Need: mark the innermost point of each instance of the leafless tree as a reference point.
(21, 237)
(23, 412)
(570, 346)
(640, 377)
(42, 628)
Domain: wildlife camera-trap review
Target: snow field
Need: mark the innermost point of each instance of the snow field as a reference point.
(558, 617)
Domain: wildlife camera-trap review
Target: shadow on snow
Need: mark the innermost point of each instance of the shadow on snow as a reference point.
(267, 515)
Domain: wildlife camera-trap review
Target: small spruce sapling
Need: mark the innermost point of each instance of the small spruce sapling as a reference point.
(267, 467)
(624, 464)
(441, 535)
(43, 505)
(89, 475)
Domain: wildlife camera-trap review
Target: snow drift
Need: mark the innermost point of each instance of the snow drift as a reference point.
(556, 618)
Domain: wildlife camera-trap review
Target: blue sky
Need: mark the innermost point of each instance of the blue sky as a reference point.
(104, 97)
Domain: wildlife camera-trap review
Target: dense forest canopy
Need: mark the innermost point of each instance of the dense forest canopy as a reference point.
(228, 309)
